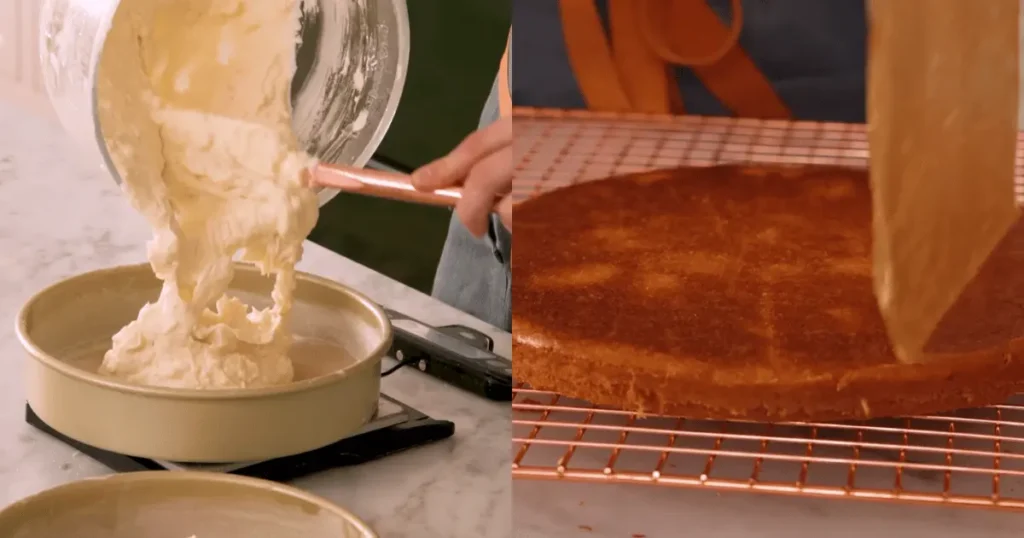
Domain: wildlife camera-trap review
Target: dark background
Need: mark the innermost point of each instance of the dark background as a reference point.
(456, 48)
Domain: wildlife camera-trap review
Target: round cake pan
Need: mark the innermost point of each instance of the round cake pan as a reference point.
(340, 338)
(177, 505)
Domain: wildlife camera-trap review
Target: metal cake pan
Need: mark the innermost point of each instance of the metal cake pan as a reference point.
(66, 328)
(178, 505)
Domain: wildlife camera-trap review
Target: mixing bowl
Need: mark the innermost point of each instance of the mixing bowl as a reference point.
(351, 62)
(177, 505)
(341, 337)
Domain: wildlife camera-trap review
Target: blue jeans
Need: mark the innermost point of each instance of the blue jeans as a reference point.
(475, 275)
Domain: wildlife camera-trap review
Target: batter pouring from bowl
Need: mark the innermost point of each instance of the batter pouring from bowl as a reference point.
(194, 103)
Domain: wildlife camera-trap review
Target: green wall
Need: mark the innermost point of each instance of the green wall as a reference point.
(456, 47)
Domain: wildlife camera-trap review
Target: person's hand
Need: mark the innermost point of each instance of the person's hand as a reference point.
(482, 166)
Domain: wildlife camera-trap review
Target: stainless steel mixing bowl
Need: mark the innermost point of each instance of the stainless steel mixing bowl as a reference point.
(342, 41)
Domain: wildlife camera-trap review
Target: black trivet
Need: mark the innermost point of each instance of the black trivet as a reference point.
(397, 427)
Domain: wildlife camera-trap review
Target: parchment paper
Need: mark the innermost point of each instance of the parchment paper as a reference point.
(942, 114)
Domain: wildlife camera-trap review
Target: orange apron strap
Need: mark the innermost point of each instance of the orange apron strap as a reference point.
(504, 84)
(690, 33)
(644, 76)
(633, 73)
(591, 57)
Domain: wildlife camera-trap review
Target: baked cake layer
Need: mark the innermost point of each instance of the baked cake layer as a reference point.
(742, 292)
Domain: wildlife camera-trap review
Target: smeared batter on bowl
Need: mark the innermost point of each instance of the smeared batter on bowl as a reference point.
(194, 102)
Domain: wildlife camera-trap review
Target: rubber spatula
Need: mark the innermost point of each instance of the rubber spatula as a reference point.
(942, 116)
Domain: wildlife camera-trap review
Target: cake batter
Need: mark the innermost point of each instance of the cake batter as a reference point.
(194, 102)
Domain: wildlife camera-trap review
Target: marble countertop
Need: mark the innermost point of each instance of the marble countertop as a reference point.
(61, 217)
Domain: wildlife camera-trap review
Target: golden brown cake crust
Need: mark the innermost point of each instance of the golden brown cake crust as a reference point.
(743, 293)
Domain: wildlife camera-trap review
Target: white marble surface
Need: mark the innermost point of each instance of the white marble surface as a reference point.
(547, 510)
(59, 216)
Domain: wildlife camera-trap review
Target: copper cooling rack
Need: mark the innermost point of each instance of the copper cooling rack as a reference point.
(556, 148)
(968, 458)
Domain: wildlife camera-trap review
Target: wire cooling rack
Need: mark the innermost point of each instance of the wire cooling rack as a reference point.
(557, 148)
(973, 457)
(968, 458)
